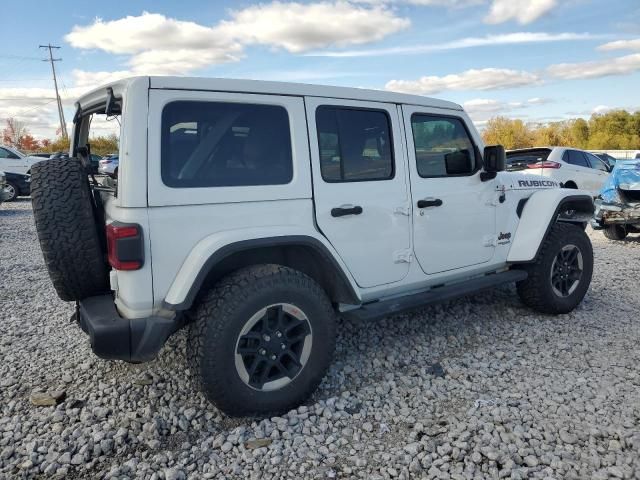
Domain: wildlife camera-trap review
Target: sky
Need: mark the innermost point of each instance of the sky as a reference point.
(538, 60)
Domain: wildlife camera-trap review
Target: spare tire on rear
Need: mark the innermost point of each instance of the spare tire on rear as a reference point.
(64, 213)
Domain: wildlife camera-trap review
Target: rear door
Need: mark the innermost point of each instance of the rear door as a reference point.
(360, 186)
(584, 175)
(11, 162)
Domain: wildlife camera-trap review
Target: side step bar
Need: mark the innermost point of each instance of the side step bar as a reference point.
(377, 310)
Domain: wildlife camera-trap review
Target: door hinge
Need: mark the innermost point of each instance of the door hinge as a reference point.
(490, 241)
(403, 256)
(404, 210)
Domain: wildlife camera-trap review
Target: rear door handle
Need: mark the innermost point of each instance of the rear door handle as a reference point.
(429, 202)
(346, 210)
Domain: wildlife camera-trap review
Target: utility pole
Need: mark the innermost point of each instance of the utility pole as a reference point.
(63, 125)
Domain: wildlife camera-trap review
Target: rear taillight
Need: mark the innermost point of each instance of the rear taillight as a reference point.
(104, 162)
(125, 247)
(544, 165)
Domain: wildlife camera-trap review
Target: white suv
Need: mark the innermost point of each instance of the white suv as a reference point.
(570, 167)
(13, 160)
(253, 213)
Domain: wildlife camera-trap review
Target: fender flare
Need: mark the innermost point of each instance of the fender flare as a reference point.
(539, 213)
(342, 282)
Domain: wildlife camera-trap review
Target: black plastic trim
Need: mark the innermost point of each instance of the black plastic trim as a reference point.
(520, 207)
(115, 338)
(377, 310)
(245, 245)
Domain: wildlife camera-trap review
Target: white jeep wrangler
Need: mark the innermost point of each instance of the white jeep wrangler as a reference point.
(254, 213)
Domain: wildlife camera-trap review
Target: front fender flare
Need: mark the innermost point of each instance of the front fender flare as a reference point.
(540, 212)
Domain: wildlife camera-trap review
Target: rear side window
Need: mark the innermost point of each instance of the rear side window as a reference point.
(575, 157)
(214, 144)
(354, 144)
(442, 141)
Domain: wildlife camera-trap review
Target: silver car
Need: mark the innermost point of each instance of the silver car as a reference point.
(109, 166)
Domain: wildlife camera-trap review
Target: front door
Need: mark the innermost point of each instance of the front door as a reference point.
(360, 186)
(454, 211)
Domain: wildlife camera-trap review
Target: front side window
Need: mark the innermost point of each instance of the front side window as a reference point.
(215, 144)
(355, 144)
(575, 157)
(442, 146)
(597, 163)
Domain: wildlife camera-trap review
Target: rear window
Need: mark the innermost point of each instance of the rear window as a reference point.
(215, 144)
(354, 144)
(521, 159)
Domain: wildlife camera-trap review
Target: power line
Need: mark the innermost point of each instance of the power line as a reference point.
(63, 125)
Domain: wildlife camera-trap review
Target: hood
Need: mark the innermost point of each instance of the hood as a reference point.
(625, 176)
(520, 181)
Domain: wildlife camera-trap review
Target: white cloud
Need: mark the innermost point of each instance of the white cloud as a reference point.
(522, 11)
(427, 3)
(148, 31)
(89, 80)
(299, 27)
(155, 41)
(601, 109)
(469, 42)
(161, 45)
(621, 45)
(599, 68)
(482, 109)
(475, 79)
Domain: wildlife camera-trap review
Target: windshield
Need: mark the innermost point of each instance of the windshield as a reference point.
(16, 151)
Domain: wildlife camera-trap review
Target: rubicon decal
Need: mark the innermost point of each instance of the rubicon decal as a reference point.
(537, 183)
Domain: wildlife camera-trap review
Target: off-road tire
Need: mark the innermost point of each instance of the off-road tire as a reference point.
(15, 192)
(615, 232)
(68, 232)
(220, 314)
(536, 291)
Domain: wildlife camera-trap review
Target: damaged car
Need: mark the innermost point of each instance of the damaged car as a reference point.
(617, 210)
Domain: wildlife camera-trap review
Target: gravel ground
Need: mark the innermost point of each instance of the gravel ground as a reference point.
(475, 388)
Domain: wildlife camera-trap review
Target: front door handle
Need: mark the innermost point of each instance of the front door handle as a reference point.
(346, 210)
(429, 202)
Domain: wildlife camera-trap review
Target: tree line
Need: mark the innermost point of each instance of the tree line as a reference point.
(17, 135)
(614, 130)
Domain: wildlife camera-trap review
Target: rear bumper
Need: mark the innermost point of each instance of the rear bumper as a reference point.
(115, 338)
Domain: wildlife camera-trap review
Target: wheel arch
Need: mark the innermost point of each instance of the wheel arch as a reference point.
(300, 252)
(541, 211)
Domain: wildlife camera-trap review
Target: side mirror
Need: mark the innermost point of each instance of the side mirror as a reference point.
(495, 160)
(458, 163)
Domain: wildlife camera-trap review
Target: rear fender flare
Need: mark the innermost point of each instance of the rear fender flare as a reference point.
(215, 255)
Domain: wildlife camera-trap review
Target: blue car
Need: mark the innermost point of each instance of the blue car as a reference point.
(617, 210)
